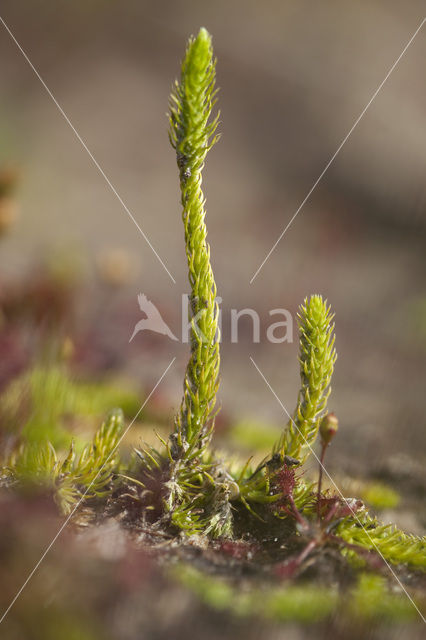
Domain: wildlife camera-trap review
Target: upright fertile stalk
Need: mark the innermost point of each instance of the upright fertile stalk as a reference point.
(192, 135)
(317, 357)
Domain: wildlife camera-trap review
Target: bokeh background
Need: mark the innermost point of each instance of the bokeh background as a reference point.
(294, 76)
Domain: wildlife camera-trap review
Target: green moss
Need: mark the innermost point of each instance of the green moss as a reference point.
(379, 496)
(75, 477)
(371, 599)
(254, 436)
(394, 545)
(307, 603)
(49, 397)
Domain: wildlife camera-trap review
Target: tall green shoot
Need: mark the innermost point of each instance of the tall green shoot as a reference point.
(192, 134)
(317, 357)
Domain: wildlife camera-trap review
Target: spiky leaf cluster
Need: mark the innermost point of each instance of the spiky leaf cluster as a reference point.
(192, 135)
(86, 475)
(394, 545)
(186, 488)
(317, 357)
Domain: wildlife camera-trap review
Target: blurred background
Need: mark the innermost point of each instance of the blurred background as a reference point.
(294, 77)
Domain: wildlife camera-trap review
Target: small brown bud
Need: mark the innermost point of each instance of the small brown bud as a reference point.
(328, 428)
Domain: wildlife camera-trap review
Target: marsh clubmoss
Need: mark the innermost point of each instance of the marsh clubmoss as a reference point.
(192, 135)
(317, 358)
(84, 475)
(183, 486)
(204, 493)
